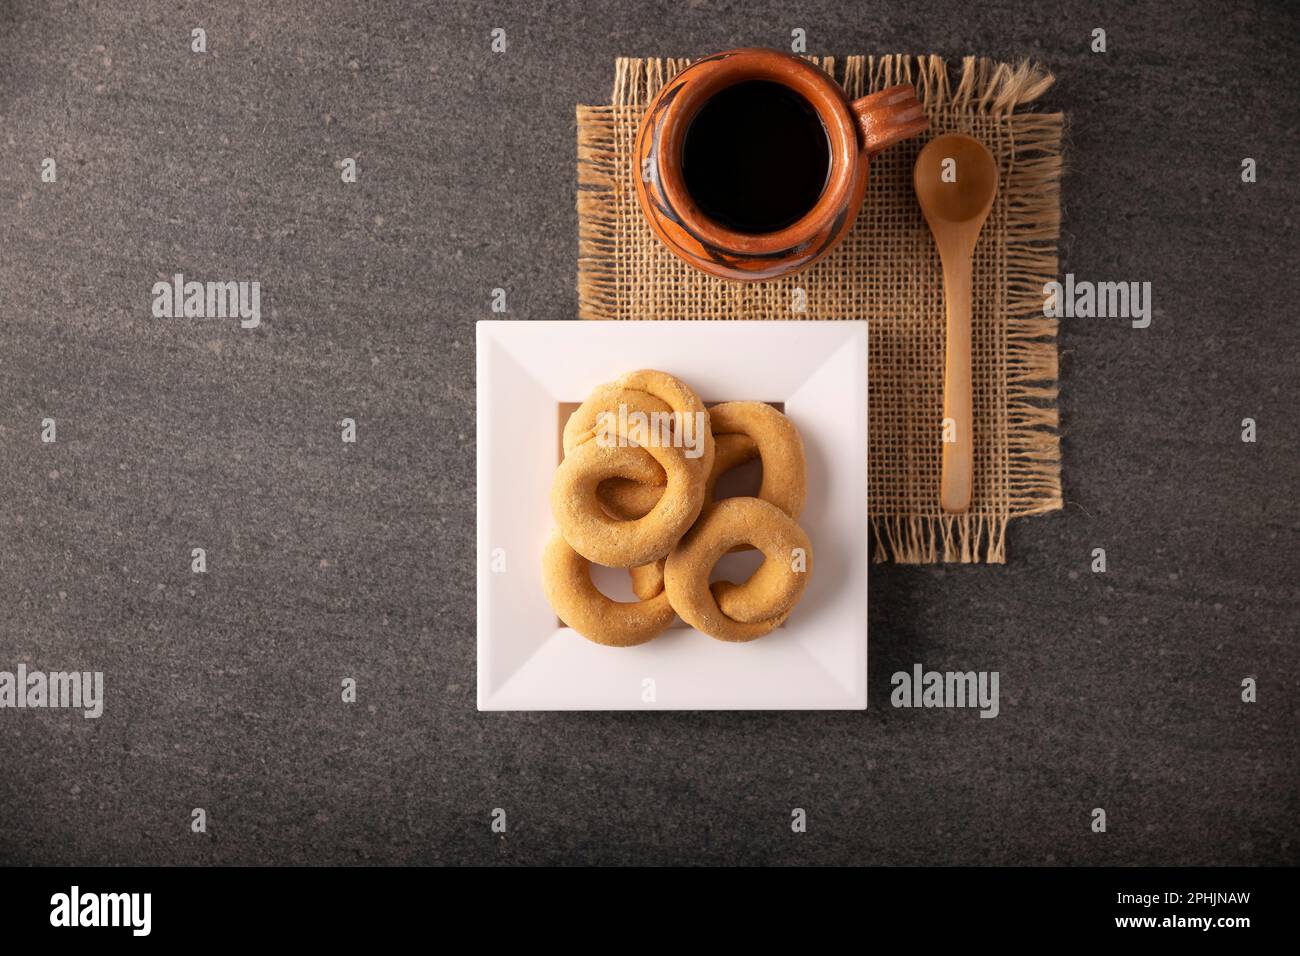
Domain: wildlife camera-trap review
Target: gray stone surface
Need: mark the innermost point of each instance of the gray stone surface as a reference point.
(1119, 690)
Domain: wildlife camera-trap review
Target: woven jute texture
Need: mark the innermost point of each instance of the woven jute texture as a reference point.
(885, 271)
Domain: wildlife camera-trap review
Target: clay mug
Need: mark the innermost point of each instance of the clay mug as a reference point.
(770, 88)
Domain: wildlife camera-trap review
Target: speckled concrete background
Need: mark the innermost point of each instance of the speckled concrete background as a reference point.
(1118, 690)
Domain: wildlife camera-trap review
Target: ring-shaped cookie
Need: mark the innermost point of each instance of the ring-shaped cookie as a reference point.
(785, 481)
(566, 576)
(605, 540)
(739, 612)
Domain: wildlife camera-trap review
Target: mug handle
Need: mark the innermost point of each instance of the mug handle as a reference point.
(889, 116)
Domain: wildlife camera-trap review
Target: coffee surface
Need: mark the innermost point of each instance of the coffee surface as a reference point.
(756, 157)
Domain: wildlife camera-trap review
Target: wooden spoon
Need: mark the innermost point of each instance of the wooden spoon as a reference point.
(956, 179)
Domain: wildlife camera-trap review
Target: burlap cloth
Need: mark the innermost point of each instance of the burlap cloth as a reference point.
(886, 271)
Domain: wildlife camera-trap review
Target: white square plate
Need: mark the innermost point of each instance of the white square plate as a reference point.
(527, 660)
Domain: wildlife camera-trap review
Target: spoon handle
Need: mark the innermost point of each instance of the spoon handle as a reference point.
(958, 425)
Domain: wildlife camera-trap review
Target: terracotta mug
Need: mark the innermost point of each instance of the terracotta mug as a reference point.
(855, 131)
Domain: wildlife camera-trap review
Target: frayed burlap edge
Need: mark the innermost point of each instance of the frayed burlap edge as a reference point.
(1033, 225)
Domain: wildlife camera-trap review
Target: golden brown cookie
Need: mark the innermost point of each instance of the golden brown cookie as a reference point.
(778, 445)
(606, 540)
(739, 612)
(566, 576)
(651, 436)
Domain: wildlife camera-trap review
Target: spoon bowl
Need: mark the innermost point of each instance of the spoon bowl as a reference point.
(966, 194)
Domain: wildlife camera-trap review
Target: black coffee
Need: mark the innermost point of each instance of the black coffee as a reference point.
(756, 157)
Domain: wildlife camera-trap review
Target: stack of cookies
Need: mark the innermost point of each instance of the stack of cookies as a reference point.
(635, 490)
